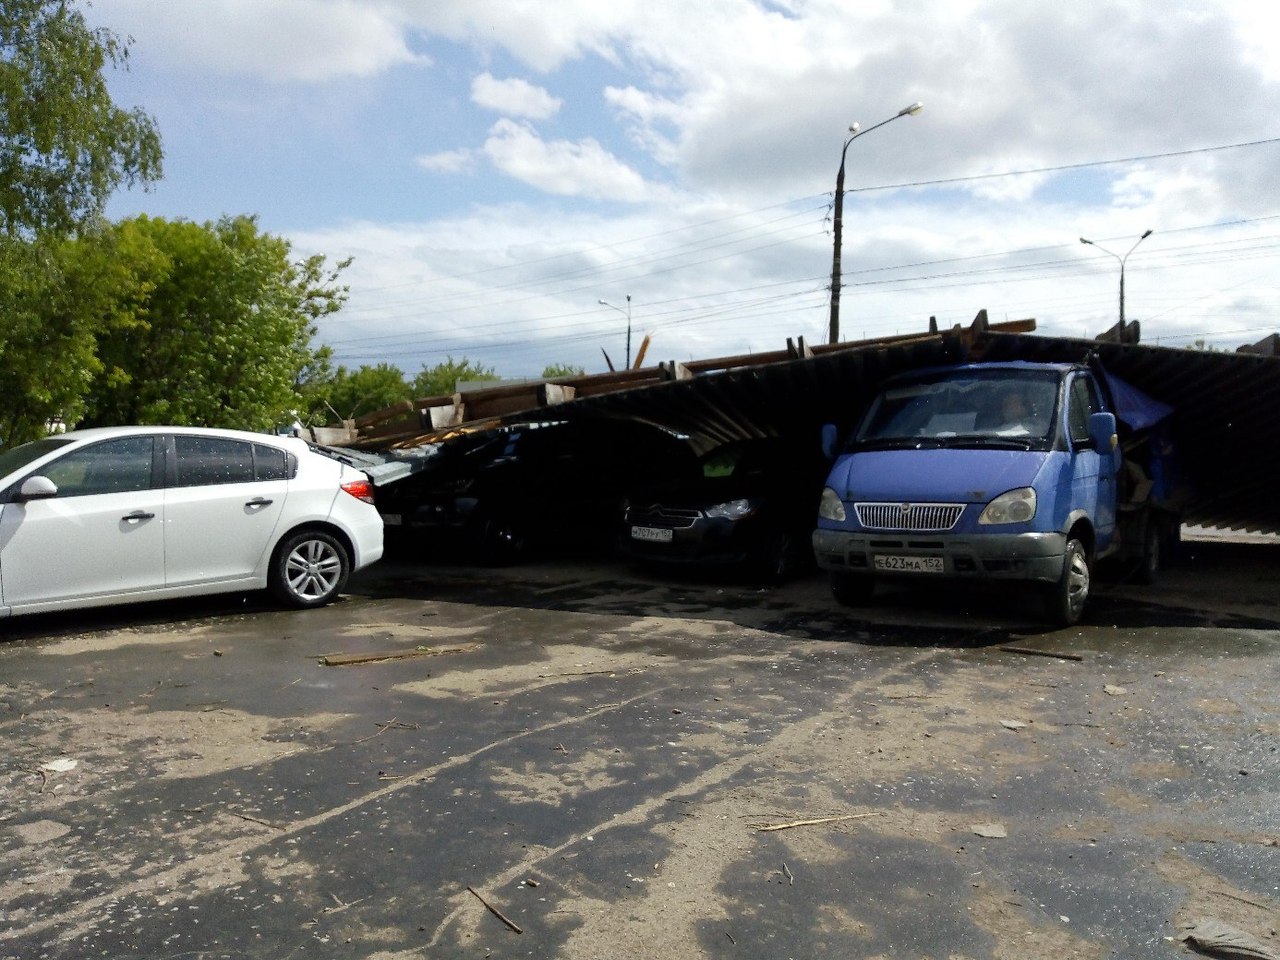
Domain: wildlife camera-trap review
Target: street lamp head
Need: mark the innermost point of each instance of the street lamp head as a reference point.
(603, 303)
(911, 110)
(1145, 235)
(1082, 240)
(855, 127)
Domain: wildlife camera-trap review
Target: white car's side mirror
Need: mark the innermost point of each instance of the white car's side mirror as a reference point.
(37, 488)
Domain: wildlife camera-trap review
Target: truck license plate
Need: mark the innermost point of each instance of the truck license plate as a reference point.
(654, 534)
(900, 564)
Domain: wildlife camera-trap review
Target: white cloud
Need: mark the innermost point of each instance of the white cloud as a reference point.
(447, 161)
(742, 105)
(282, 40)
(540, 35)
(581, 169)
(514, 97)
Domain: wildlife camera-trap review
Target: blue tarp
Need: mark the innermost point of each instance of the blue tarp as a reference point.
(1133, 407)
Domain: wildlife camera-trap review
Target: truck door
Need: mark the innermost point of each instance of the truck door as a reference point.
(1093, 481)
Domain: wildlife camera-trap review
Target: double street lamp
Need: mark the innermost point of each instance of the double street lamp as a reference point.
(838, 214)
(1122, 260)
(627, 313)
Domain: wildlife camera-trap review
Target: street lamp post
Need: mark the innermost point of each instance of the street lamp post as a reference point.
(1122, 260)
(833, 333)
(627, 312)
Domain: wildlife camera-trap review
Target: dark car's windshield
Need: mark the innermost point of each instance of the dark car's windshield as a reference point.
(998, 406)
(18, 457)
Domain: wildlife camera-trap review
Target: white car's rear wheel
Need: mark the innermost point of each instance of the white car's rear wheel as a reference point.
(309, 569)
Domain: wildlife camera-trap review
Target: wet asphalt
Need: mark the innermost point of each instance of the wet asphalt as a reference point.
(576, 759)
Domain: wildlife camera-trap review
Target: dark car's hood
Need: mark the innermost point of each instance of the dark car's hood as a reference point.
(698, 492)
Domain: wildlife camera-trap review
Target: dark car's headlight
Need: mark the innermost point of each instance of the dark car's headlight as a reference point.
(732, 510)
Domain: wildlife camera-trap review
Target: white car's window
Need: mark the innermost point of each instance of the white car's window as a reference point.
(113, 466)
(272, 463)
(204, 461)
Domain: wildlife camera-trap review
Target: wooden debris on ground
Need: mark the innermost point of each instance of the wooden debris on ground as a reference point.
(353, 659)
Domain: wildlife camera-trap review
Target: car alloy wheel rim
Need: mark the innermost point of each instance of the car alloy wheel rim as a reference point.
(312, 569)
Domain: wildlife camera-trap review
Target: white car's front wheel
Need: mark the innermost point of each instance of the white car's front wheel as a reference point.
(309, 569)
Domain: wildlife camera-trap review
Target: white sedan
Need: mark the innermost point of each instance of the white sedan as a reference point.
(118, 514)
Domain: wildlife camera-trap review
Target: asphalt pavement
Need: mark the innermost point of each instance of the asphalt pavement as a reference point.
(577, 759)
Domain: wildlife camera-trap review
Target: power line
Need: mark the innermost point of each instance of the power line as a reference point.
(698, 252)
(1063, 167)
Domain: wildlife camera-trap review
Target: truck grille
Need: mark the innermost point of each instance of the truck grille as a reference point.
(908, 516)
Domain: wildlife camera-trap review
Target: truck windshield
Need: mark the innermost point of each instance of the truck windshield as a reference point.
(1013, 406)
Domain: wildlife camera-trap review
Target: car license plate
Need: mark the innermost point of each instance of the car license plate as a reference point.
(653, 534)
(899, 564)
(391, 519)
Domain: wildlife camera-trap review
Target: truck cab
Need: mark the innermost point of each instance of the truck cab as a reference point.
(990, 471)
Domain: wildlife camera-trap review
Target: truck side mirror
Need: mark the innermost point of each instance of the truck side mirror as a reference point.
(1102, 432)
(829, 435)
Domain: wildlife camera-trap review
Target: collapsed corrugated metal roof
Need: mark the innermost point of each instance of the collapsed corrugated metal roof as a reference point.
(1226, 421)
(1226, 417)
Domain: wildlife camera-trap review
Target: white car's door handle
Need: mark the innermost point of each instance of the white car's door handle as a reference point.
(137, 516)
(258, 502)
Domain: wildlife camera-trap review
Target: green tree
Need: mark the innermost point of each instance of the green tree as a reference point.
(57, 298)
(443, 378)
(64, 144)
(46, 350)
(563, 371)
(222, 332)
(345, 394)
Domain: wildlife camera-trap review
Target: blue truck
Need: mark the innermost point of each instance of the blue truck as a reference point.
(1012, 471)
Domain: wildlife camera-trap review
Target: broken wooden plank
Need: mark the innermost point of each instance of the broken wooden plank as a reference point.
(1032, 652)
(351, 659)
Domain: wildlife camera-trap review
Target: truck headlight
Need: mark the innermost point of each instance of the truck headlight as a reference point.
(831, 507)
(1016, 506)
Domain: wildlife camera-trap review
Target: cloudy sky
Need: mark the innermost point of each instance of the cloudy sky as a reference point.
(498, 167)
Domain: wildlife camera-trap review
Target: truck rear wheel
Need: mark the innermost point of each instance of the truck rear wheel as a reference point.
(1149, 563)
(1066, 598)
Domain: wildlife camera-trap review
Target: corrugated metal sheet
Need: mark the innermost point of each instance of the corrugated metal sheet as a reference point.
(1225, 425)
(1226, 421)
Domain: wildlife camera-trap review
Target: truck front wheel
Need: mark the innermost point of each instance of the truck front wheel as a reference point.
(1065, 600)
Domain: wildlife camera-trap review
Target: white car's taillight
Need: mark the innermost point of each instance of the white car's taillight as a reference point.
(360, 489)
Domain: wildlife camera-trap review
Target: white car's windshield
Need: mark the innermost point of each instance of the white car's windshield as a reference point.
(18, 457)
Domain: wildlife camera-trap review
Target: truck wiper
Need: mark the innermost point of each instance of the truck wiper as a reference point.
(998, 443)
(898, 443)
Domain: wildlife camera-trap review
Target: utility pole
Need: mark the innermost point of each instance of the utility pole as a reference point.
(833, 331)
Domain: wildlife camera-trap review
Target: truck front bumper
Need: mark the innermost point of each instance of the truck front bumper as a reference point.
(993, 556)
